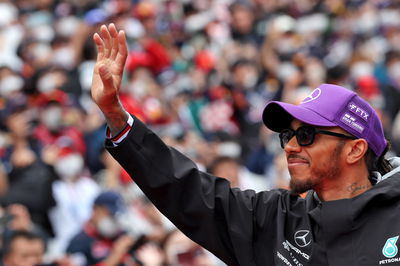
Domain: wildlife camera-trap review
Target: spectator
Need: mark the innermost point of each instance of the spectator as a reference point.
(182, 251)
(238, 176)
(196, 69)
(28, 178)
(101, 240)
(23, 248)
(74, 194)
(15, 218)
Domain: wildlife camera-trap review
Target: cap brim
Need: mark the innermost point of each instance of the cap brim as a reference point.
(278, 116)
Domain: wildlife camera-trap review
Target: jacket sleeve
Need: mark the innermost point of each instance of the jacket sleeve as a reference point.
(202, 206)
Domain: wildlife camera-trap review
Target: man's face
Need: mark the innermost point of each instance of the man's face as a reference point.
(309, 166)
(25, 252)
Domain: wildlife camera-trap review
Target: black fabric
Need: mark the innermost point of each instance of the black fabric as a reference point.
(87, 245)
(276, 118)
(268, 228)
(31, 186)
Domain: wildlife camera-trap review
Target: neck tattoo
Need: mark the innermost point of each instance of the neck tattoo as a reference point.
(353, 188)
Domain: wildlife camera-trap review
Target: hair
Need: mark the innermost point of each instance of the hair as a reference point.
(28, 235)
(377, 163)
(220, 160)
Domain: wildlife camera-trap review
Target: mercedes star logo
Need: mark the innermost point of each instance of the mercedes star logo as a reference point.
(312, 96)
(302, 238)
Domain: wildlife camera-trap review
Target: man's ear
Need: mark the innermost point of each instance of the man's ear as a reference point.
(356, 150)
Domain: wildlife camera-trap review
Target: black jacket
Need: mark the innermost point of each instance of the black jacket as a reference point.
(267, 228)
(31, 186)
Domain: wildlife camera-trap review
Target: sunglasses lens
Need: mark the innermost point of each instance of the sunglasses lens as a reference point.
(305, 135)
(285, 136)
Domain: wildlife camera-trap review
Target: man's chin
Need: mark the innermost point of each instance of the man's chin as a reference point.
(300, 186)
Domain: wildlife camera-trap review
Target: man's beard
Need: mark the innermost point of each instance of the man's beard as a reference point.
(328, 170)
(298, 187)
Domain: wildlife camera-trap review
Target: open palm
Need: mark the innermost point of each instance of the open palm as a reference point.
(112, 53)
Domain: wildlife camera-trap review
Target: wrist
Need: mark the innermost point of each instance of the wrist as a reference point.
(116, 119)
(117, 138)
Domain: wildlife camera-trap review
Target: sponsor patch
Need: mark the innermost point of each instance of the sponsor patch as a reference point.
(390, 250)
(302, 238)
(358, 111)
(351, 121)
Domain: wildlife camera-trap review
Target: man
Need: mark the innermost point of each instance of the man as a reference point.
(334, 145)
(74, 194)
(23, 248)
(239, 176)
(102, 241)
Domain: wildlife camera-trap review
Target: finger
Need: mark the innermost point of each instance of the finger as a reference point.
(122, 51)
(114, 38)
(99, 45)
(105, 35)
(106, 77)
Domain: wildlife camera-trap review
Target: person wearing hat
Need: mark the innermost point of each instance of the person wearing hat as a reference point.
(334, 145)
(102, 240)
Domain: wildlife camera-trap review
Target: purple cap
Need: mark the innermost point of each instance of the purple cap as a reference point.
(330, 106)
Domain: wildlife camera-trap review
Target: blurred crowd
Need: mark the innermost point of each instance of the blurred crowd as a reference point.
(199, 74)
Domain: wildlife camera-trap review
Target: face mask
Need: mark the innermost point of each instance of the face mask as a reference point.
(286, 71)
(368, 22)
(137, 89)
(67, 26)
(10, 84)
(228, 148)
(40, 52)
(394, 71)
(8, 14)
(315, 74)
(69, 166)
(361, 69)
(250, 80)
(47, 83)
(285, 46)
(64, 57)
(107, 227)
(86, 74)
(52, 118)
(44, 33)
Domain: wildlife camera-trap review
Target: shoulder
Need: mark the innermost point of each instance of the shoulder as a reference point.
(81, 242)
(280, 199)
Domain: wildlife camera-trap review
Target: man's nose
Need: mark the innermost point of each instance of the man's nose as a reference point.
(292, 146)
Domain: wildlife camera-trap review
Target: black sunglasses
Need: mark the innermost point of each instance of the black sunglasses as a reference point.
(305, 135)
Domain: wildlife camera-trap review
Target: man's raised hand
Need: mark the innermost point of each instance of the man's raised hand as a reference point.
(112, 52)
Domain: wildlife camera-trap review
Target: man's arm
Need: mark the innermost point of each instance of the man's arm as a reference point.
(204, 207)
(112, 52)
(200, 205)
